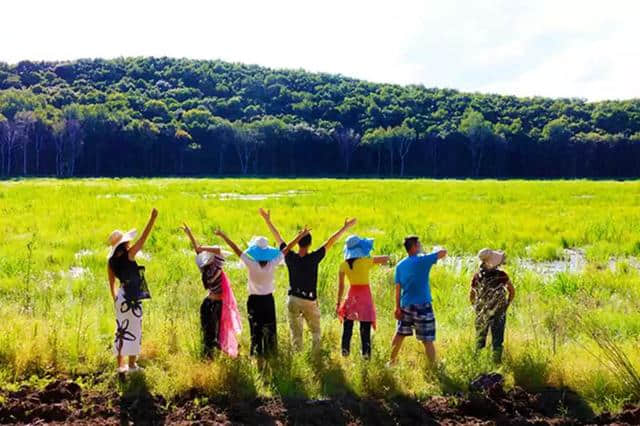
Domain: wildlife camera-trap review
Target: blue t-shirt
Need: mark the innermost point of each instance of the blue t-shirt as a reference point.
(412, 273)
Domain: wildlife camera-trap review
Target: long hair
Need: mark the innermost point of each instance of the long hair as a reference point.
(352, 261)
(119, 256)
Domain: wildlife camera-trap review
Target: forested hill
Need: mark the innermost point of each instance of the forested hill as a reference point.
(163, 116)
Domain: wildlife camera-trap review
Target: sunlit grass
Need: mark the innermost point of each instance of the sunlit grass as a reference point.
(56, 316)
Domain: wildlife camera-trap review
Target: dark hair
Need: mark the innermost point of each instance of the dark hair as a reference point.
(351, 262)
(305, 241)
(263, 263)
(410, 241)
(120, 250)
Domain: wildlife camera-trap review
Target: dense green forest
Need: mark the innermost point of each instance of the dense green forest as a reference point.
(164, 116)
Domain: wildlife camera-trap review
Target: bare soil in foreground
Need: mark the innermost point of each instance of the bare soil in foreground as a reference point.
(64, 402)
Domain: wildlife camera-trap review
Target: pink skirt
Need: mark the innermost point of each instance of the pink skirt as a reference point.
(359, 305)
(230, 324)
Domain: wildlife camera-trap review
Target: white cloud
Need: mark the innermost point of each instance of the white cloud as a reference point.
(552, 48)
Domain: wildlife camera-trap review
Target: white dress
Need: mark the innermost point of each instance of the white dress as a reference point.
(128, 326)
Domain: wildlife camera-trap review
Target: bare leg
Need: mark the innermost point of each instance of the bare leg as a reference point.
(132, 361)
(121, 360)
(396, 344)
(430, 350)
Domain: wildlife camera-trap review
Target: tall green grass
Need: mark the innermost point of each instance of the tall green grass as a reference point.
(56, 316)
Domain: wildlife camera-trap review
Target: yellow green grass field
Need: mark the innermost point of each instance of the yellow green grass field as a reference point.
(571, 247)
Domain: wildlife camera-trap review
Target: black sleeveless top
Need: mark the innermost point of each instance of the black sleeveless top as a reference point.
(130, 275)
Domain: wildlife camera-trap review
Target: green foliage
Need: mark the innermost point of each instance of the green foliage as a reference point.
(56, 317)
(411, 130)
(544, 251)
(475, 126)
(557, 130)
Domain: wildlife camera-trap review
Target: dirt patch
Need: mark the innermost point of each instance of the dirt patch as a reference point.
(65, 402)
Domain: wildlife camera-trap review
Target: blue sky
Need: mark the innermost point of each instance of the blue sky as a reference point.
(560, 48)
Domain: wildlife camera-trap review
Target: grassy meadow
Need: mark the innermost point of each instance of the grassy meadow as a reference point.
(572, 326)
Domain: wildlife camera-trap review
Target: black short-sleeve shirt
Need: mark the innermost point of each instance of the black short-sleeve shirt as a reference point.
(303, 272)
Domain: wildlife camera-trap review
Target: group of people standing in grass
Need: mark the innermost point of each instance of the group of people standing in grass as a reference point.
(491, 293)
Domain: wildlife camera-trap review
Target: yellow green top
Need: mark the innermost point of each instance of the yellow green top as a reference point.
(359, 275)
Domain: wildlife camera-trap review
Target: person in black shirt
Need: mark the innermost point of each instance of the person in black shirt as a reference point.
(302, 302)
(121, 265)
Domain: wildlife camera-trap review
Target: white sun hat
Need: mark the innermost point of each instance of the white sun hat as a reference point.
(260, 251)
(118, 237)
(205, 258)
(491, 258)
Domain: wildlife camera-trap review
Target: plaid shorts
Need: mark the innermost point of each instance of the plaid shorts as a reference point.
(421, 318)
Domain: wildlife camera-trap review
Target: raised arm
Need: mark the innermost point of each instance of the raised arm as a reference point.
(145, 234)
(194, 243)
(211, 249)
(112, 282)
(441, 254)
(266, 215)
(295, 241)
(229, 242)
(197, 247)
(380, 260)
(348, 223)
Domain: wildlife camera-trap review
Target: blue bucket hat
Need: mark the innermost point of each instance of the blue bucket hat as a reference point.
(260, 251)
(356, 247)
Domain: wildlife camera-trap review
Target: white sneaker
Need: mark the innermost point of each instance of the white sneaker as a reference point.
(135, 368)
(123, 370)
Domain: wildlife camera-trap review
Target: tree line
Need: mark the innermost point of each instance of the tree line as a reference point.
(164, 116)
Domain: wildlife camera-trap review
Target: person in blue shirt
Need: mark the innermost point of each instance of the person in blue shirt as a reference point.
(413, 298)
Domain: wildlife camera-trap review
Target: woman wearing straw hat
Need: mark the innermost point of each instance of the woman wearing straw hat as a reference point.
(219, 316)
(261, 261)
(359, 304)
(491, 294)
(133, 288)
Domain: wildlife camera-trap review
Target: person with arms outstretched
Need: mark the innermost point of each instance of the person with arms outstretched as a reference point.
(359, 305)
(261, 261)
(121, 264)
(219, 316)
(302, 303)
(413, 298)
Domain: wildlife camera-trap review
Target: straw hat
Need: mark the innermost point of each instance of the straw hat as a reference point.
(491, 258)
(118, 237)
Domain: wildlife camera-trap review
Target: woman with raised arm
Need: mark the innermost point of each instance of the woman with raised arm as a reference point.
(261, 261)
(359, 304)
(121, 264)
(219, 316)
